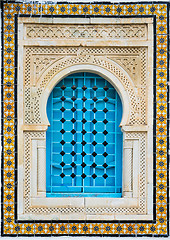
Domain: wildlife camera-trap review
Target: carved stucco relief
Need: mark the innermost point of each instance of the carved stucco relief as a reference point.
(88, 31)
(56, 59)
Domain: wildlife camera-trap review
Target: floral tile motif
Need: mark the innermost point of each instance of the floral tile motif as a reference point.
(10, 225)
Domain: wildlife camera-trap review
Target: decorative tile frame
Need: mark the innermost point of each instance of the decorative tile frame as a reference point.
(11, 226)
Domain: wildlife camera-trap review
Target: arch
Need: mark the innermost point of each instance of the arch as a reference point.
(74, 157)
(104, 73)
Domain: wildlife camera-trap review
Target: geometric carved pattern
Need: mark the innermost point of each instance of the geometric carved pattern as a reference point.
(92, 210)
(138, 103)
(27, 160)
(142, 157)
(73, 31)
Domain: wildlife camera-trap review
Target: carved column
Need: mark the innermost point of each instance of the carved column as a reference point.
(127, 169)
(41, 167)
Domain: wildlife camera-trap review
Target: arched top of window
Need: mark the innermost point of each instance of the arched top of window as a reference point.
(84, 141)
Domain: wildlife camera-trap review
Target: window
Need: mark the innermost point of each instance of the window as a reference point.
(84, 141)
(47, 62)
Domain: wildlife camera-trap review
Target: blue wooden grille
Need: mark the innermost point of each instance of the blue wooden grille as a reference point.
(84, 141)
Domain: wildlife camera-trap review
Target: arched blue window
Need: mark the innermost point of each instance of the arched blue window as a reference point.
(84, 140)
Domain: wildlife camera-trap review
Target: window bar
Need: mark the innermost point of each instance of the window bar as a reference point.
(73, 146)
(116, 144)
(94, 137)
(105, 135)
(62, 179)
(83, 127)
(51, 167)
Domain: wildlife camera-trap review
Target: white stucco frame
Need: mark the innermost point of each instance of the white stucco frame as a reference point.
(131, 153)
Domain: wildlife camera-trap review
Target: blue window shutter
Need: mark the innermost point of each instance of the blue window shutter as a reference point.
(84, 141)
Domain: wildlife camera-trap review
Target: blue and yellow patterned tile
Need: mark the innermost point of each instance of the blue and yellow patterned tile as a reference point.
(8, 118)
(161, 118)
(118, 228)
(27, 229)
(152, 9)
(161, 28)
(18, 228)
(161, 61)
(161, 142)
(85, 229)
(8, 129)
(130, 229)
(161, 52)
(141, 229)
(161, 86)
(141, 9)
(161, 95)
(161, 187)
(162, 10)
(85, 9)
(161, 129)
(28, 9)
(161, 74)
(74, 228)
(161, 108)
(9, 228)
(9, 72)
(97, 9)
(161, 176)
(161, 197)
(8, 196)
(9, 108)
(8, 209)
(18, 8)
(62, 9)
(8, 27)
(52, 9)
(74, 9)
(130, 9)
(9, 152)
(9, 186)
(63, 228)
(162, 229)
(9, 175)
(161, 217)
(39, 228)
(118, 9)
(161, 163)
(9, 161)
(123, 12)
(54, 228)
(108, 9)
(152, 229)
(8, 62)
(8, 39)
(162, 41)
(95, 228)
(161, 209)
(108, 228)
(46, 228)
(8, 8)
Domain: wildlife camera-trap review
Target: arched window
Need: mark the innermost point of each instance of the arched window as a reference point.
(84, 140)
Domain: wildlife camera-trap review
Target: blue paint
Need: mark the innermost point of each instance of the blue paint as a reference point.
(84, 141)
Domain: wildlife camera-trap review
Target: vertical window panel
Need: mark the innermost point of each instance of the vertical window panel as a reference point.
(84, 140)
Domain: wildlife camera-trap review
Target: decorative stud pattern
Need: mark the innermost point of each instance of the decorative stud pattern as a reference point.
(84, 160)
